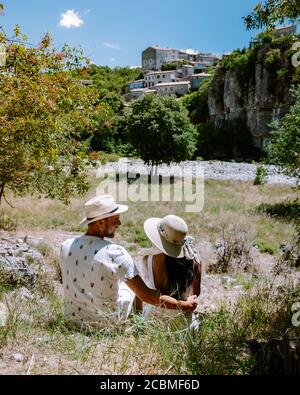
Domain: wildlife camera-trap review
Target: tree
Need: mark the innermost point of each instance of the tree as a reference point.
(270, 12)
(159, 130)
(197, 103)
(284, 150)
(43, 112)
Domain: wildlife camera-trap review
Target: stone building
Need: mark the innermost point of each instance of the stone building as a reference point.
(154, 57)
(137, 84)
(173, 88)
(196, 79)
(159, 77)
(135, 94)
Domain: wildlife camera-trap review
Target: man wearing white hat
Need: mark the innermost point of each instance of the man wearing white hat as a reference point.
(100, 278)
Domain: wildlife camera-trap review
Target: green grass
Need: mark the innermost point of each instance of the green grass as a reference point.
(148, 346)
(224, 202)
(266, 248)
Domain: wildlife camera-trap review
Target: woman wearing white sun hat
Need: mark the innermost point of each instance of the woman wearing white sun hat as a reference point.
(176, 269)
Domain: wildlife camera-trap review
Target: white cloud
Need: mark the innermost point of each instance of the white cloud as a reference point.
(191, 51)
(86, 12)
(70, 19)
(111, 45)
(112, 59)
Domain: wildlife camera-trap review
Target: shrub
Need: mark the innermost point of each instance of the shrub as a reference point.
(7, 223)
(284, 148)
(232, 250)
(226, 339)
(265, 247)
(273, 60)
(232, 140)
(169, 66)
(197, 103)
(261, 175)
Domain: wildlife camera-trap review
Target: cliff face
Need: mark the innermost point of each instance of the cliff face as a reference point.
(260, 98)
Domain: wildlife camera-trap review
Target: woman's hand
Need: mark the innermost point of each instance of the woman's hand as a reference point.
(192, 298)
(190, 304)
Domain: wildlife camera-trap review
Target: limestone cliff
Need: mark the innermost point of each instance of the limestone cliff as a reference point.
(255, 96)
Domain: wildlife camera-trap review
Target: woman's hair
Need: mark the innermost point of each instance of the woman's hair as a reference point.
(181, 272)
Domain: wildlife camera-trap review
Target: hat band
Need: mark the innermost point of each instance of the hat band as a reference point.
(110, 212)
(163, 233)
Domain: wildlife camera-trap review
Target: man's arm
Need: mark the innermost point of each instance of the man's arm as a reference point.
(154, 297)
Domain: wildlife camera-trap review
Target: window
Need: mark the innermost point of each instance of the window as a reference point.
(164, 76)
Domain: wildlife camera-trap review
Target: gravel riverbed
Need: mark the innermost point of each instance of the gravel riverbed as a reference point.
(216, 170)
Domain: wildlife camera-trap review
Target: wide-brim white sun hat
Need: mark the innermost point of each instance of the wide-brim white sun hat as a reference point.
(168, 234)
(100, 207)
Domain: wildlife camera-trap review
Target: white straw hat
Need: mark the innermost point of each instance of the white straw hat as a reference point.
(101, 207)
(168, 234)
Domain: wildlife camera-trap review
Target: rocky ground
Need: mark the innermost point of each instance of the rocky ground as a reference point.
(215, 170)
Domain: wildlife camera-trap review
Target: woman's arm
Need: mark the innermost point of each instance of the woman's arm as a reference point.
(155, 298)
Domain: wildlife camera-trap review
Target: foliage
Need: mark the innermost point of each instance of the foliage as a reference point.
(197, 103)
(159, 130)
(265, 247)
(242, 62)
(231, 140)
(284, 149)
(288, 210)
(273, 59)
(270, 12)
(232, 250)
(106, 129)
(261, 175)
(276, 51)
(43, 112)
(169, 66)
(225, 340)
(110, 83)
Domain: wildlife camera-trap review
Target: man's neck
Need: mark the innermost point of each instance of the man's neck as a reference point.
(94, 235)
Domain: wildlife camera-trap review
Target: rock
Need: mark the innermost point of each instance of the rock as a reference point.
(239, 288)
(25, 294)
(228, 281)
(256, 102)
(17, 261)
(36, 242)
(18, 357)
(3, 314)
(24, 317)
(44, 339)
(217, 170)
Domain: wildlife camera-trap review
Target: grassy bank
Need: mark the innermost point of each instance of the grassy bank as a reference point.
(36, 327)
(265, 211)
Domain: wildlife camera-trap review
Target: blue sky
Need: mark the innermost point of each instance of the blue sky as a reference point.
(114, 32)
